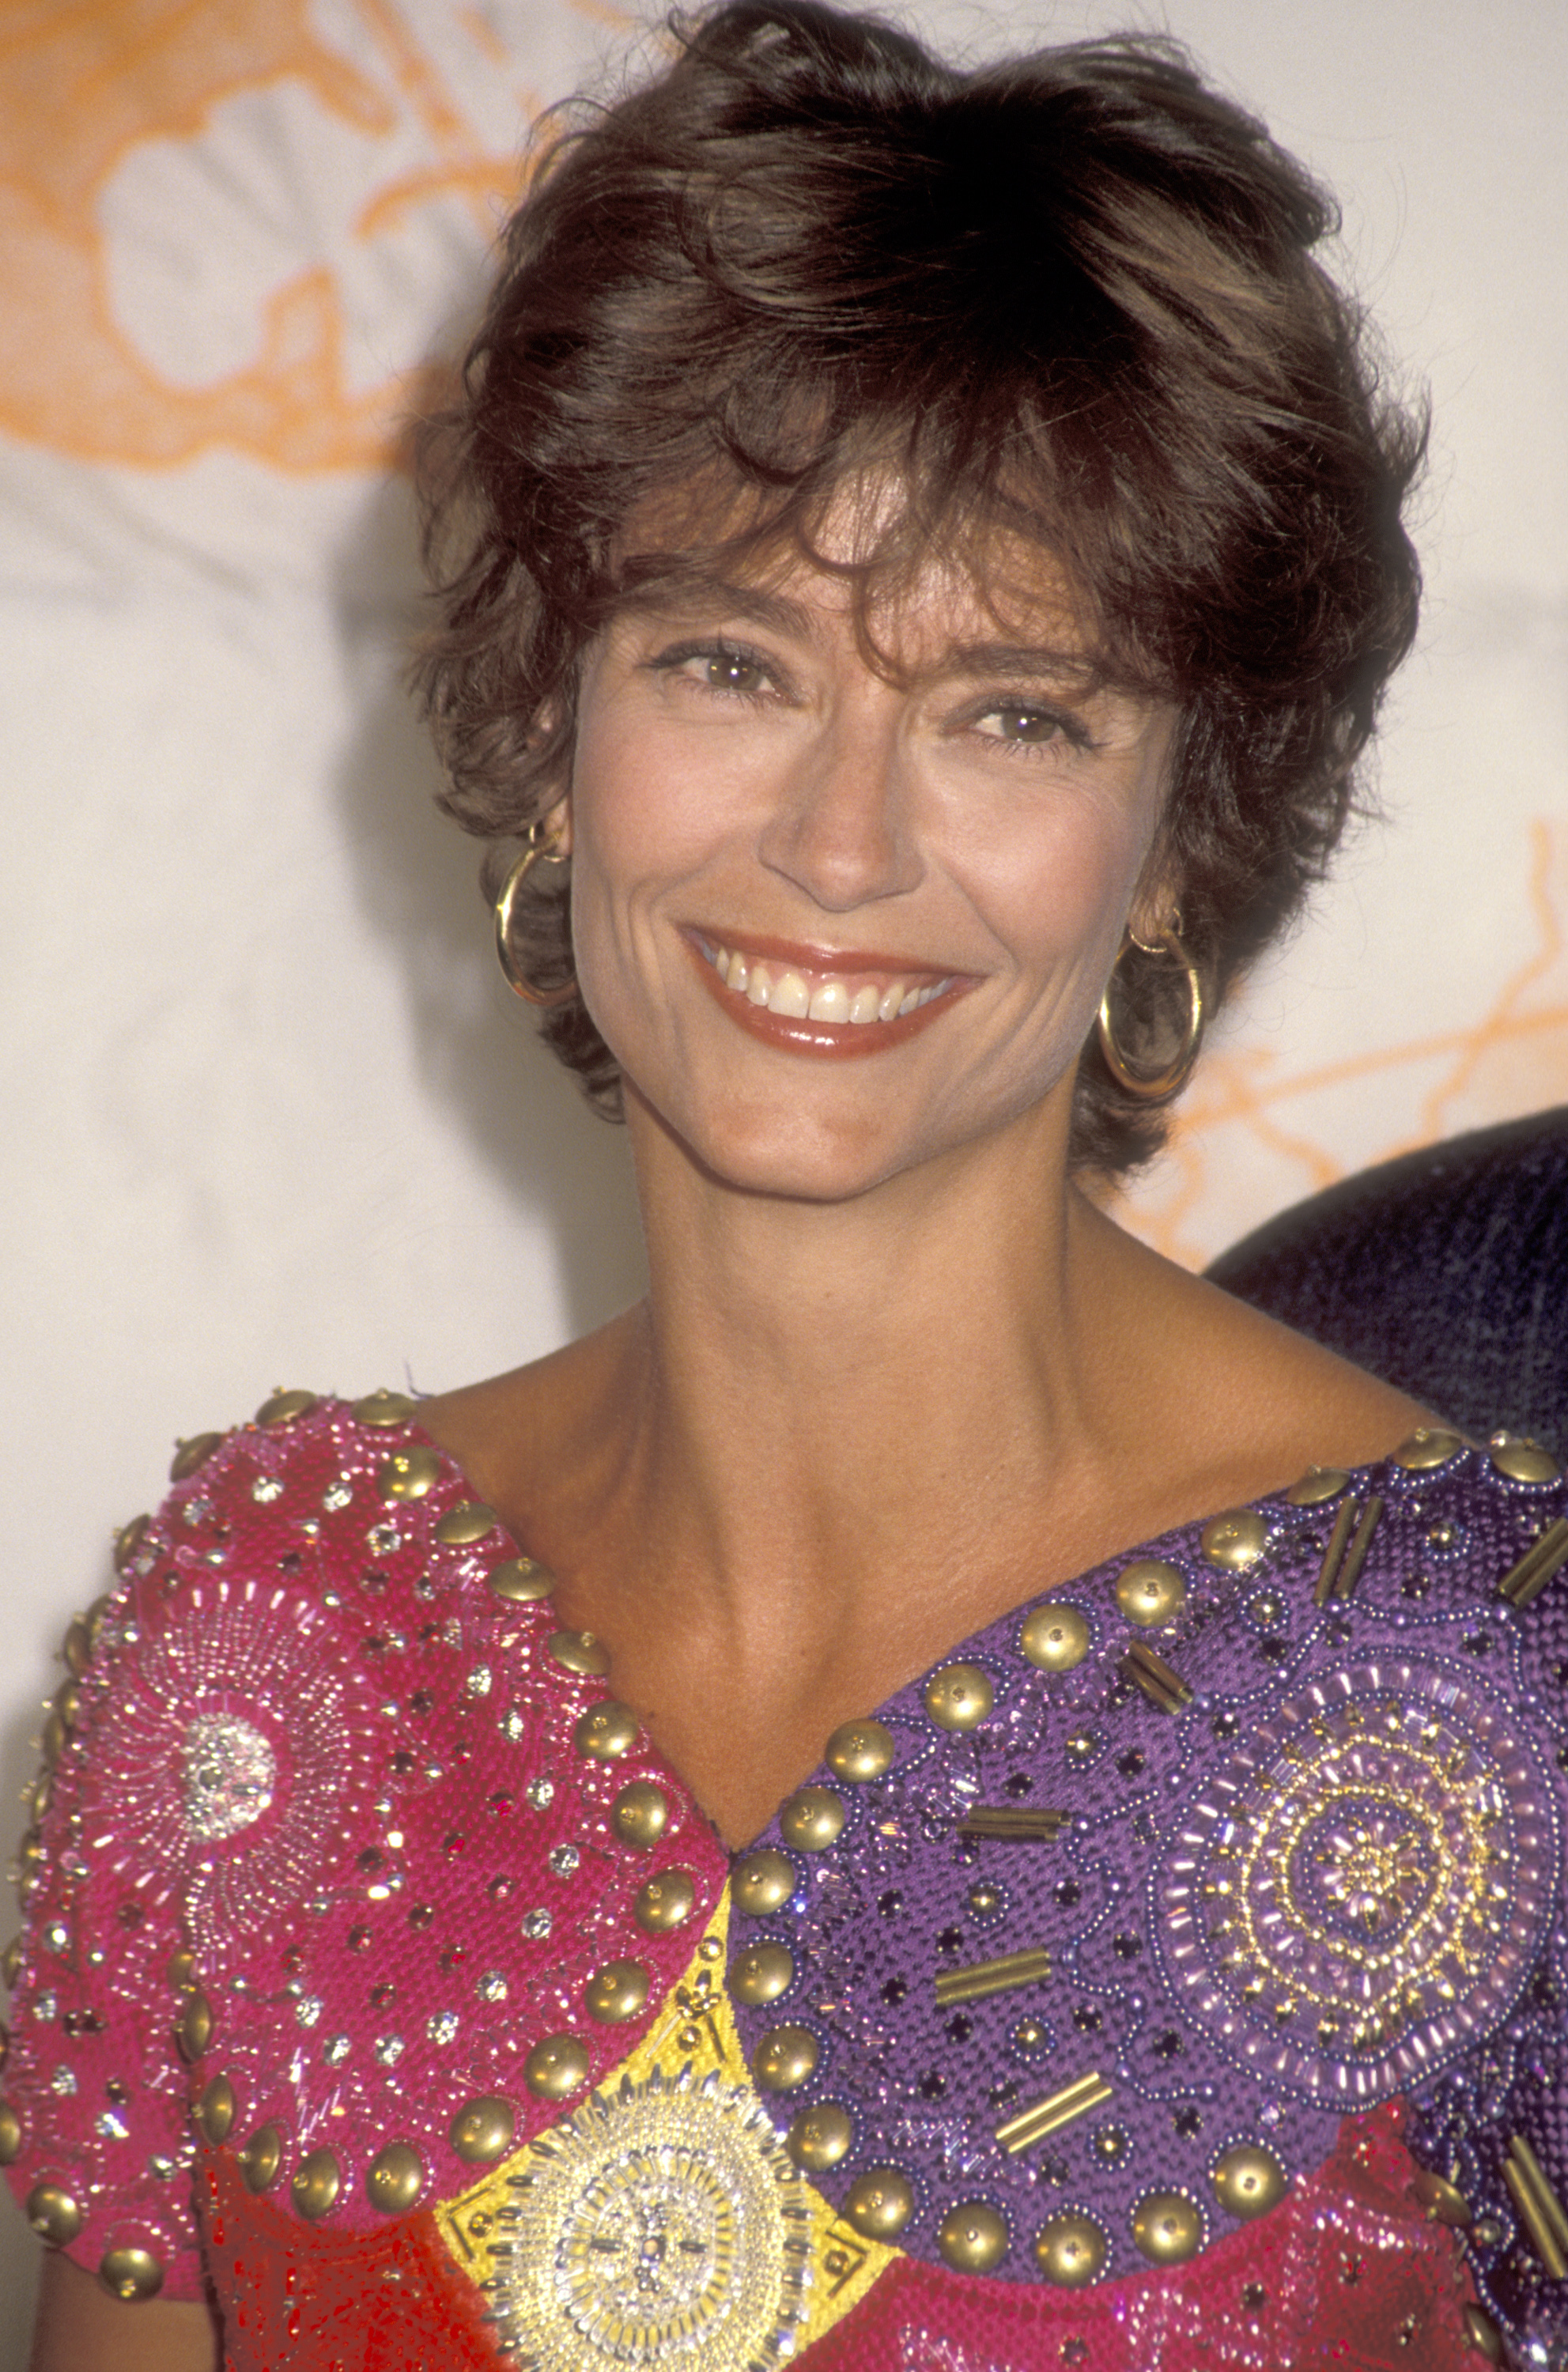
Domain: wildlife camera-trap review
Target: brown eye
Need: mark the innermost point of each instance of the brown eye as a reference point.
(732, 671)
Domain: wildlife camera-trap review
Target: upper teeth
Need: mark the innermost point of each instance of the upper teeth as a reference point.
(790, 993)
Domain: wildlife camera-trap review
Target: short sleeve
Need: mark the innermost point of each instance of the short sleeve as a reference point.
(95, 2124)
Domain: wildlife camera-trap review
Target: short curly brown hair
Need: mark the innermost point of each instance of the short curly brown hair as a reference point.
(1072, 293)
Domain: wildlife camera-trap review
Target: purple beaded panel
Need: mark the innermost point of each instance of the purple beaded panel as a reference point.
(1333, 1874)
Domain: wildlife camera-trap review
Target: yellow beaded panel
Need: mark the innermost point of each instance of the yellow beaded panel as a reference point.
(662, 2221)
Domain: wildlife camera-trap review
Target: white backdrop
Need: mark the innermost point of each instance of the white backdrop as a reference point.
(271, 1118)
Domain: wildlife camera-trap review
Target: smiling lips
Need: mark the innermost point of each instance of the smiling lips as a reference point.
(802, 999)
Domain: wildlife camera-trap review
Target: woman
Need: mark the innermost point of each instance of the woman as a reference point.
(938, 1792)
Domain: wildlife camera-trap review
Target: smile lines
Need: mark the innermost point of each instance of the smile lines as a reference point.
(785, 991)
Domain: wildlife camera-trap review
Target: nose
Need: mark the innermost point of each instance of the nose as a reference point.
(843, 827)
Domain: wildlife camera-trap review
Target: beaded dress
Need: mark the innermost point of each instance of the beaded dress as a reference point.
(1173, 1978)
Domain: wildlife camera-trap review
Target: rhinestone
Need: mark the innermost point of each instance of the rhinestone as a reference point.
(541, 1794)
(307, 2009)
(536, 1925)
(56, 1936)
(337, 1496)
(493, 1985)
(389, 2048)
(229, 1772)
(383, 1540)
(563, 1860)
(112, 2126)
(265, 1489)
(479, 1680)
(336, 2049)
(64, 2081)
(441, 2026)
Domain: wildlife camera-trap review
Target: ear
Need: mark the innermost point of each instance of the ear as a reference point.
(555, 830)
(1156, 901)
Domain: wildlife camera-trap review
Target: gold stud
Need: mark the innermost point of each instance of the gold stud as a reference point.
(556, 2068)
(879, 2203)
(10, 2134)
(859, 1750)
(606, 1731)
(812, 1821)
(68, 1704)
(1444, 2201)
(1150, 1593)
(972, 2238)
(522, 1581)
(11, 1960)
(1236, 1539)
(317, 2178)
(394, 2179)
(616, 1991)
(127, 1541)
(194, 2031)
(784, 2059)
(820, 2138)
(130, 2273)
(1427, 1447)
(180, 1967)
(1317, 1487)
(1070, 2252)
(53, 2214)
(216, 2110)
(763, 1882)
(260, 2157)
(482, 2130)
(1484, 2334)
(762, 1973)
(192, 1455)
(1523, 1462)
(1248, 2180)
(1167, 2228)
(579, 1651)
(408, 1474)
(959, 1697)
(1055, 1638)
(639, 1814)
(76, 1647)
(41, 1794)
(383, 1408)
(665, 1902)
(283, 1407)
(464, 1524)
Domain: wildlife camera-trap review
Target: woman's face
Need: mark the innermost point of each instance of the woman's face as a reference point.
(835, 924)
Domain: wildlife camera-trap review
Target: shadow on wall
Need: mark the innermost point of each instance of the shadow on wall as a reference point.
(417, 879)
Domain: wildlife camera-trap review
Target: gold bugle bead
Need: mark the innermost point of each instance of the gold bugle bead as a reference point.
(522, 1581)
(53, 2214)
(464, 1524)
(1150, 1593)
(556, 2068)
(394, 2179)
(194, 2031)
(763, 1881)
(1525, 1581)
(1236, 1539)
(383, 1408)
(879, 2203)
(191, 1456)
(1248, 2180)
(859, 1752)
(408, 1474)
(1070, 2252)
(1054, 1638)
(1540, 2208)
(283, 1407)
(616, 1991)
(972, 2238)
(1167, 2228)
(981, 1979)
(1026, 1823)
(1317, 1487)
(785, 2058)
(812, 1820)
(482, 2130)
(130, 2273)
(1355, 1555)
(820, 2138)
(959, 1697)
(216, 2108)
(317, 2178)
(1032, 2124)
(260, 2157)
(1162, 1686)
(1333, 1555)
(580, 1651)
(762, 1973)
(665, 1902)
(639, 1814)
(1427, 1447)
(10, 2134)
(606, 1731)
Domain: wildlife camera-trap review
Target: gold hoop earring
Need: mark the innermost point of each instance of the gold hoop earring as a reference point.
(537, 847)
(1152, 1087)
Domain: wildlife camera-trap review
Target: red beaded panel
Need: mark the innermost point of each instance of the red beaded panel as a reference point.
(302, 2301)
(1347, 2272)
